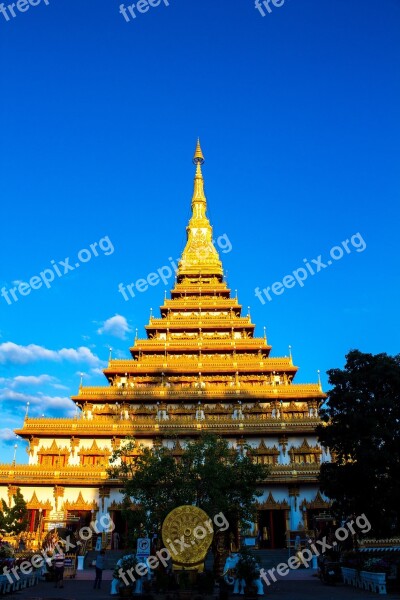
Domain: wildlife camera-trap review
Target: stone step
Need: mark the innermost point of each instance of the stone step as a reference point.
(271, 558)
(111, 558)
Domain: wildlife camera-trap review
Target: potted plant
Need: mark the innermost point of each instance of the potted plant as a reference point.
(373, 575)
(7, 561)
(351, 564)
(124, 567)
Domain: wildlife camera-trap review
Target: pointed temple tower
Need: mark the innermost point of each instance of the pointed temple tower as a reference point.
(200, 369)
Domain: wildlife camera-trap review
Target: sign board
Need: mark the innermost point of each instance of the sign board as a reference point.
(53, 525)
(143, 547)
(250, 541)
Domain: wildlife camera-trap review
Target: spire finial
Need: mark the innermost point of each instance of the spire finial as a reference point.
(319, 379)
(198, 158)
(199, 255)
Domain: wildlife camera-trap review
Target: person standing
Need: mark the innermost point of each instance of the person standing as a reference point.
(100, 563)
(59, 564)
(115, 539)
(99, 543)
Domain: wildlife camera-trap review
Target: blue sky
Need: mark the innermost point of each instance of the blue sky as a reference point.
(298, 114)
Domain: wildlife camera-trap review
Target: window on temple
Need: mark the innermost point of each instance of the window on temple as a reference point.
(54, 456)
(305, 454)
(94, 456)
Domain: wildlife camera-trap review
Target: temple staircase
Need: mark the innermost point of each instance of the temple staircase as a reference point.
(271, 558)
(111, 557)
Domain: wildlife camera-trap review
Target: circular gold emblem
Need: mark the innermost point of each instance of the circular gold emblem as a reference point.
(187, 533)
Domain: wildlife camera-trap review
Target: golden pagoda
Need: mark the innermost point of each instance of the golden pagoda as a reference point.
(200, 368)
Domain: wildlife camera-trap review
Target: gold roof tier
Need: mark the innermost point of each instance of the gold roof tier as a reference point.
(103, 426)
(205, 363)
(203, 288)
(206, 302)
(203, 321)
(216, 342)
(80, 475)
(211, 393)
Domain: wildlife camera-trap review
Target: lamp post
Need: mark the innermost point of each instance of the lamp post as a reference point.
(15, 454)
(40, 527)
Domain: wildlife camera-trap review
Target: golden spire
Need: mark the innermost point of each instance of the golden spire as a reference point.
(198, 157)
(199, 256)
(319, 380)
(198, 192)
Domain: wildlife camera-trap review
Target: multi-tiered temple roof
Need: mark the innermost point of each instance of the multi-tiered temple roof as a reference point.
(200, 368)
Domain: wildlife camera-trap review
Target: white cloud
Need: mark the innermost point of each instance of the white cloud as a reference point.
(17, 354)
(7, 435)
(116, 326)
(32, 380)
(40, 403)
(97, 371)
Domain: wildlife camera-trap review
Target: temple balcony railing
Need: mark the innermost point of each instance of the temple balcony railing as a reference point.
(200, 321)
(37, 474)
(151, 420)
(232, 361)
(223, 393)
(202, 341)
(203, 300)
(97, 475)
(149, 427)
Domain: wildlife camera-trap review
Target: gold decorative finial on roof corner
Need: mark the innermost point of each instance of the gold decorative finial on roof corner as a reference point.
(198, 158)
(319, 380)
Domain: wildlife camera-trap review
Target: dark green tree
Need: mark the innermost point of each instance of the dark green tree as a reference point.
(152, 482)
(14, 520)
(362, 431)
(209, 474)
(223, 479)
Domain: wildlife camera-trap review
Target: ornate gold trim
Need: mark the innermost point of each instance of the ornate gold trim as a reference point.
(317, 503)
(35, 504)
(271, 504)
(80, 504)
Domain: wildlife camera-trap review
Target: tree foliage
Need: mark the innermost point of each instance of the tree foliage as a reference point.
(209, 474)
(362, 430)
(14, 520)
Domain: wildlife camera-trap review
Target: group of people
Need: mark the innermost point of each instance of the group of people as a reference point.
(58, 564)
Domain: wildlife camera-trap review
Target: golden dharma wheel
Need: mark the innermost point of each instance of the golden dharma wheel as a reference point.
(187, 533)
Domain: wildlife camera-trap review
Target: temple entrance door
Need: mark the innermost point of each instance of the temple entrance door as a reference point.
(272, 529)
(322, 522)
(76, 519)
(121, 529)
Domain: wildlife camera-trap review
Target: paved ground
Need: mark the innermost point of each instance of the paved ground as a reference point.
(304, 587)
